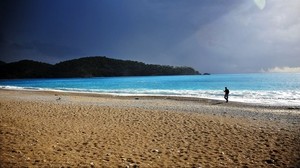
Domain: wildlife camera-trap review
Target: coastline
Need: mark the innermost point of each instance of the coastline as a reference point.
(45, 128)
(281, 98)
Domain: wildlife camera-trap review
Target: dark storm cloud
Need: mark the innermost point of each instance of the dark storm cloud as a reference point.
(45, 52)
(212, 36)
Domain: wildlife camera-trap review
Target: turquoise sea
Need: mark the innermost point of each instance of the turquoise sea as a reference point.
(262, 88)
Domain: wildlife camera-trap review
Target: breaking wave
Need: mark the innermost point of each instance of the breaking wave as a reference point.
(274, 98)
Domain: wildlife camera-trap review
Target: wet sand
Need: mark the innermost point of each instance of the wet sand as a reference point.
(53, 129)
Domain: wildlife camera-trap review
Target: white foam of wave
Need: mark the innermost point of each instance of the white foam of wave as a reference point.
(274, 98)
(34, 89)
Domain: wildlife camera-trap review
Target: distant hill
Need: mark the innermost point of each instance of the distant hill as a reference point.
(24, 69)
(88, 67)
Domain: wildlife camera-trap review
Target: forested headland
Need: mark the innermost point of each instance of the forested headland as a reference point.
(98, 66)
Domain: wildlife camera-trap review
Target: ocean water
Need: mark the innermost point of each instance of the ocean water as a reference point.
(261, 88)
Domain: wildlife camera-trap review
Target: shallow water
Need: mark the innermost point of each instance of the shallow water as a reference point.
(262, 88)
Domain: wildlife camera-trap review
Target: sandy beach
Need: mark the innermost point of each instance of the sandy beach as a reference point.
(56, 129)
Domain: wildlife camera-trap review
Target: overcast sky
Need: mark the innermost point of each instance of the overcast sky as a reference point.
(216, 36)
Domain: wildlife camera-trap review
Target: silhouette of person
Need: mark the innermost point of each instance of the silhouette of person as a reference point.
(226, 94)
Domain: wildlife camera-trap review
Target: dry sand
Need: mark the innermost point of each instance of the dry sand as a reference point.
(48, 129)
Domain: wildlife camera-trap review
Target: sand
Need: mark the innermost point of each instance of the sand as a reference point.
(53, 129)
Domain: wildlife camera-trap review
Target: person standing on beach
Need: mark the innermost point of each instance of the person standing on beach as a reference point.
(226, 94)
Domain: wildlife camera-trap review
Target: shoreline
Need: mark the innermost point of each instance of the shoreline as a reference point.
(171, 97)
(289, 114)
(82, 130)
(256, 102)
